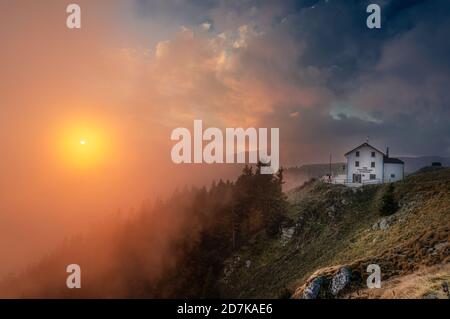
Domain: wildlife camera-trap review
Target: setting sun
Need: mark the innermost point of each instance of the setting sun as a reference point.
(83, 145)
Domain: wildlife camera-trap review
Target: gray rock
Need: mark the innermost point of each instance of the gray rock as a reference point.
(312, 290)
(391, 219)
(440, 246)
(340, 280)
(286, 235)
(248, 263)
(384, 224)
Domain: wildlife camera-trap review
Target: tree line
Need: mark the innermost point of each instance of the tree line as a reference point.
(170, 248)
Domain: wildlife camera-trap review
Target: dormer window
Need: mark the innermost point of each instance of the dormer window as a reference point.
(357, 153)
(373, 154)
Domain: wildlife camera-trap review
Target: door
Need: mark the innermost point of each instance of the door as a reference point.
(356, 178)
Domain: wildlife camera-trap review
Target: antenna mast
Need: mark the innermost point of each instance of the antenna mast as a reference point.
(330, 167)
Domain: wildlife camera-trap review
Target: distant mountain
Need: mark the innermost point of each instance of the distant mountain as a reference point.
(413, 164)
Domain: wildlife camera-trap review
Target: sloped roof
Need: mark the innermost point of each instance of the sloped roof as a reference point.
(362, 145)
(392, 160)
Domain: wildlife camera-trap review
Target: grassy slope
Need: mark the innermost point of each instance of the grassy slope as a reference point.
(424, 283)
(334, 225)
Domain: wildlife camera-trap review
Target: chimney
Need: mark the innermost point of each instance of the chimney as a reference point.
(387, 151)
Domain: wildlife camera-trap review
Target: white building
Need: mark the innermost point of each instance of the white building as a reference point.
(368, 165)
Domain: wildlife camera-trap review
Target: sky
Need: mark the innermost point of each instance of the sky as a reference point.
(138, 69)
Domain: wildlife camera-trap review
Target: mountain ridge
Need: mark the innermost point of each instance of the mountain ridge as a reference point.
(335, 226)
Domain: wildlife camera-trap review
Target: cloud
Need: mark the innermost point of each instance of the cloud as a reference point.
(264, 59)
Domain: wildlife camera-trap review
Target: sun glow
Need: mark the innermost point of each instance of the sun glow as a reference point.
(84, 145)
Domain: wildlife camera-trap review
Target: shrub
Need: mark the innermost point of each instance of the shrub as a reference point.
(388, 205)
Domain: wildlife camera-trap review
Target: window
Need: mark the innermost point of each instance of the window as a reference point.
(357, 163)
(373, 176)
(357, 153)
(372, 164)
(373, 154)
(392, 175)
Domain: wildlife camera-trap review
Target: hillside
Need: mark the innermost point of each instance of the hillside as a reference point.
(335, 227)
(225, 241)
(297, 175)
(171, 248)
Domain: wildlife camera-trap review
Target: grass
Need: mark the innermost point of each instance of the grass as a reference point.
(334, 225)
(424, 283)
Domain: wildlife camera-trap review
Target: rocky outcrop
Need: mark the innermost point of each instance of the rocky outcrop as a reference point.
(340, 281)
(313, 288)
(325, 283)
(286, 235)
(384, 223)
(428, 249)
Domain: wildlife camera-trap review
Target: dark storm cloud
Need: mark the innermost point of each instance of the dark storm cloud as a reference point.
(312, 136)
(391, 84)
(398, 76)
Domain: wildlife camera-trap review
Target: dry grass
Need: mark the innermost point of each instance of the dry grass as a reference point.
(335, 226)
(424, 283)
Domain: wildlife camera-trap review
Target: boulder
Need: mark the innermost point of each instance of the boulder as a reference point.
(340, 280)
(440, 246)
(286, 235)
(313, 288)
(384, 224)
